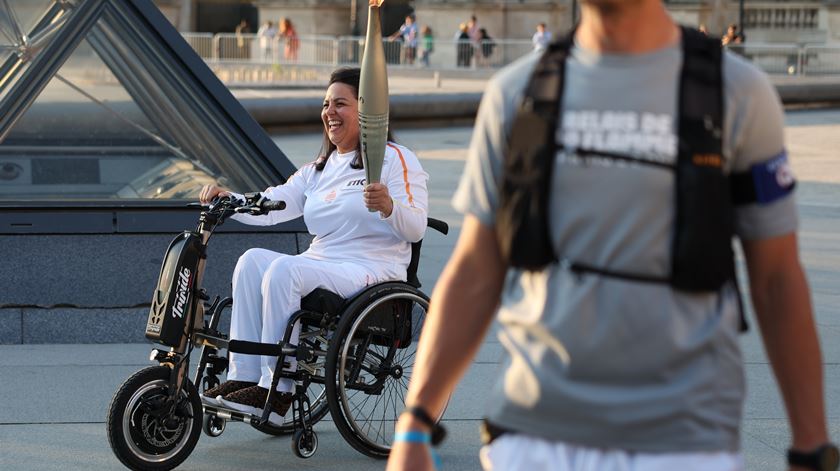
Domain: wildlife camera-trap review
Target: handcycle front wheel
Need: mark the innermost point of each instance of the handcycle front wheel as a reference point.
(143, 432)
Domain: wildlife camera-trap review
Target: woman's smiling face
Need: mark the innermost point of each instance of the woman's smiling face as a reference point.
(340, 114)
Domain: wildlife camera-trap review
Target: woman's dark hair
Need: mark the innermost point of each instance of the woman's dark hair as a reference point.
(348, 76)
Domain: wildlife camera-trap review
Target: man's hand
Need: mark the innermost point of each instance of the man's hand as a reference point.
(377, 198)
(462, 307)
(410, 456)
(211, 191)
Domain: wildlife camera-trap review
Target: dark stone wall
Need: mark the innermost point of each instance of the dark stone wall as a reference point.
(96, 288)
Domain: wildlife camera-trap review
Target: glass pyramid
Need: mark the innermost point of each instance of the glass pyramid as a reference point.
(103, 101)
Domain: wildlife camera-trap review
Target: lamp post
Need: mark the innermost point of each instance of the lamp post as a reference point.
(741, 20)
(354, 21)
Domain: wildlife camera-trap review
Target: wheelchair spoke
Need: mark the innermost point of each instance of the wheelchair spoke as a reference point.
(353, 394)
(407, 356)
(396, 407)
(368, 419)
(400, 391)
(384, 412)
(390, 407)
(360, 406)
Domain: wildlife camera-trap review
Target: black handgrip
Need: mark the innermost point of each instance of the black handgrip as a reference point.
(438, 225)
(273, 205)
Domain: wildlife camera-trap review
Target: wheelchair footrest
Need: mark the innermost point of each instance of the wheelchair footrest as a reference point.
(231, 414)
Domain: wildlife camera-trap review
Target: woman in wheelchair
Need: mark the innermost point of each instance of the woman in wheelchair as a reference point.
(353, 246)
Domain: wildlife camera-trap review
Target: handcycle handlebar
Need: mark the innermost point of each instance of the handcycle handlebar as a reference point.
(254, 203)
(258, 204)
(274, 205)
(221, 208)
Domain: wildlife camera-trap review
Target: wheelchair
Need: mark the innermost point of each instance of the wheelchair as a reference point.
(354, 359)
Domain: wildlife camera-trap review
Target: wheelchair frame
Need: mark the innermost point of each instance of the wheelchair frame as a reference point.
(152, 417)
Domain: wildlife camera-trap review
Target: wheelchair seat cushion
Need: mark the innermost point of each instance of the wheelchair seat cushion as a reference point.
(322, 301)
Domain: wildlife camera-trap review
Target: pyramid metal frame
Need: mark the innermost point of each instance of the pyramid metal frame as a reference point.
(133, 37)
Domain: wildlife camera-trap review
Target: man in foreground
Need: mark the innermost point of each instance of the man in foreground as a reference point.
(623, 347)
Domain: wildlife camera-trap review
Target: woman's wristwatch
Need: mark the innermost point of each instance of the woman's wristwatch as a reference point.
(824, 458)
(437, 430)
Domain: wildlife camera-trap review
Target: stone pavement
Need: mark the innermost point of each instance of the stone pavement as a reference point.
(56, 396)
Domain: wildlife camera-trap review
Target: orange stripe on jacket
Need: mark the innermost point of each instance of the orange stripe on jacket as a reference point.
(405, 174)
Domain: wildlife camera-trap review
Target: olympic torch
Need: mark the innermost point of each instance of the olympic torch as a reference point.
(373, 97)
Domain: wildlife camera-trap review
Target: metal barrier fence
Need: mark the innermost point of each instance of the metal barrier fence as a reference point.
(820, 60)
(331, 50)
(774, 59)
(792, 59)
(202, 43)
(227, 51)
(306, 50)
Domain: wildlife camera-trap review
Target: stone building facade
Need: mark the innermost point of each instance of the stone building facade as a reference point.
(777, 21)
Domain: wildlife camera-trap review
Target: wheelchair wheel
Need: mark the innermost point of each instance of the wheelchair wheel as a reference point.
(366, 399)
(304, 445)
(213, 426)
(142, 432)
(313, 338)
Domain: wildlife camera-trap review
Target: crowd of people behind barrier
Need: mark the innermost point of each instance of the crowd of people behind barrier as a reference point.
(272, 40)
(474, 47)
(412, 44)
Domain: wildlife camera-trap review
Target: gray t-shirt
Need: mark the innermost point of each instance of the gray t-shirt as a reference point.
(608, 362)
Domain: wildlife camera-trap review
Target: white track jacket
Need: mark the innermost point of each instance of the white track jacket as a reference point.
(334, 212)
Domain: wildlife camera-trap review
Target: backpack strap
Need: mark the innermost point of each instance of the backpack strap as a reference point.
(702, 256)
(522, 227)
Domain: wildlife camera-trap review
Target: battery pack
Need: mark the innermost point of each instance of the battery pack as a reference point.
(173, 299)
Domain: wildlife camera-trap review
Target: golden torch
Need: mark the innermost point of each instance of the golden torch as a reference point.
(373, 97)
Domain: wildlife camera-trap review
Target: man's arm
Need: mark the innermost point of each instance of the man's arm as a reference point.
(462, 307)
(782, 305)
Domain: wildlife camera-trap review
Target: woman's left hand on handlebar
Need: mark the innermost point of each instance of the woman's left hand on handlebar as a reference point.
(377, 198)
(211, 191)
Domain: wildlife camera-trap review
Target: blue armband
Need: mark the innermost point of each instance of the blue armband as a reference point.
(764, 182)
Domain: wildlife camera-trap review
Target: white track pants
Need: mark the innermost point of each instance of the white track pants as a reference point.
(267, 289)
(517, 452)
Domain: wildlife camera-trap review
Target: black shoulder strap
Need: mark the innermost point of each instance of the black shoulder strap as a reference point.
(702, 257)
(521, 223)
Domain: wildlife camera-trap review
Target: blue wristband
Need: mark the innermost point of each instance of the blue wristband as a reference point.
(413, 436)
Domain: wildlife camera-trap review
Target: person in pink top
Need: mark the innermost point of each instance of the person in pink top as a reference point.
(289, 36)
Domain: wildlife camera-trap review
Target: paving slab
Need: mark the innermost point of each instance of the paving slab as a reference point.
(56, 395)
